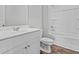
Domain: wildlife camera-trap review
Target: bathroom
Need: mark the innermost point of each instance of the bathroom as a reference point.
(39, 29)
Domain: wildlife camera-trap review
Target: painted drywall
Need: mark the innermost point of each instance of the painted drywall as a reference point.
(16, 14)
(23, 14)
(45, 20)
(2, 15)
(35, 16)
(38, 18)
(65, 24)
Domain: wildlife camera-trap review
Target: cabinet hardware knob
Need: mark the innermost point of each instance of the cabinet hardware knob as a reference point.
(25, 47)
(28, 45)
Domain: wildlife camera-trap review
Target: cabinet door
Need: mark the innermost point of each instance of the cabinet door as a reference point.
(34, 46)
(30, 47)
(20, 49)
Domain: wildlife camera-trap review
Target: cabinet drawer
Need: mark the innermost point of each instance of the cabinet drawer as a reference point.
(28, 47)
(19, 49)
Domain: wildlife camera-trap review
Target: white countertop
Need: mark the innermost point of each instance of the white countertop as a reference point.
(10, 33)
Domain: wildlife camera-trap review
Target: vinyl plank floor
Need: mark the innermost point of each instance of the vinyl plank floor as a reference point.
(60, 50)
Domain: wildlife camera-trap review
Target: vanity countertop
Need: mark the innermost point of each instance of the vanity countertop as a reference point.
(10, 33)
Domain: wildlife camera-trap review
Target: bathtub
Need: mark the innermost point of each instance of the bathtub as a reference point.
(19, 34)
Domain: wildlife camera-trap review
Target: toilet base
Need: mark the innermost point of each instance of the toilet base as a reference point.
(46, 51)
(45, 48)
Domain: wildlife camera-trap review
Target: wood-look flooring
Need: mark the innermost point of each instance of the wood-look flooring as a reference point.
(60, 50)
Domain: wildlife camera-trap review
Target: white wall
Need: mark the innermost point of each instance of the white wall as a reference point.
(45, 20)
(35, 16)
(64, 20)
(23, 14)
(38, 18)
(2, 15)
(16, 14)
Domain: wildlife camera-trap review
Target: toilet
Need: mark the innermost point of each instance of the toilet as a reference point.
(45, 44)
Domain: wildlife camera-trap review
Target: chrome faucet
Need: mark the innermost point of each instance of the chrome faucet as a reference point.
(16, 28)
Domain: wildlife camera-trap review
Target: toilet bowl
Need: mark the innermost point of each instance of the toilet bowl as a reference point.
(46, 44)
(47, 41)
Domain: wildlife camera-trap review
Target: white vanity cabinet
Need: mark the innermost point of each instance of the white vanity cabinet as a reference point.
(20, 49)
(27, 43)
(28, 47)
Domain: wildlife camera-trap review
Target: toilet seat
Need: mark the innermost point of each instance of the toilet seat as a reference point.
(47, 41)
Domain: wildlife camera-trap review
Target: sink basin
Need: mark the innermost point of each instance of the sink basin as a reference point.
(16, 28)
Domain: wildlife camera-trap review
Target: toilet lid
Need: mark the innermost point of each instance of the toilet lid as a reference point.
(47, 40)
